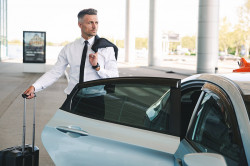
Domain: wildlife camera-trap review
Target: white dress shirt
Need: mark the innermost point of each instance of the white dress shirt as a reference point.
(71, 55)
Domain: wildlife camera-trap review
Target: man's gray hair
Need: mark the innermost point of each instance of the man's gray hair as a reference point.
(83, 12)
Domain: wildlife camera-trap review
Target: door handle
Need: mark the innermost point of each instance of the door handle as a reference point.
(72, 129)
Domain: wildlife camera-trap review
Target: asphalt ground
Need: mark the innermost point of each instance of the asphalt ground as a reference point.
(13, 82)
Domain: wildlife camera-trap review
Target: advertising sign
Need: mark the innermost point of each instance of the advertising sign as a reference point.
(34, 47)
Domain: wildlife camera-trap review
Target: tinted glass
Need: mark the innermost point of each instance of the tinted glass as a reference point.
(189, 99)
(144, 106)
(213, 130)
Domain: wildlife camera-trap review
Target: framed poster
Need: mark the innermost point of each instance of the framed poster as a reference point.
(34, 47)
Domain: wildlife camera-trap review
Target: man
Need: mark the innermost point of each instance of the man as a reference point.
(99, 65)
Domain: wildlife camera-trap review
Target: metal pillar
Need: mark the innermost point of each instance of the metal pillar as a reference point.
(1, 9)
(154, 41)
(3, 29)
(208, 36)
(129, 34)
(6, 27)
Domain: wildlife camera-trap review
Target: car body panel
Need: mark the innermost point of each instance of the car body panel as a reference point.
(183, 149)
(229, 57)
(75, 139)
(113, 149)
(242, 80)
(197, 159)
(234, 84)
(119, 140)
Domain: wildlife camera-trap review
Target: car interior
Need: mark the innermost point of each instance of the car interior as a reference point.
(189, 99)
(142, 106)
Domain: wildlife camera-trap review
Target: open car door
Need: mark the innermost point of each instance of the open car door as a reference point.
(118, 121)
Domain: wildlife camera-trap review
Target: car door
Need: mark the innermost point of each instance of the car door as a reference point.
(117, 121)
(214, 128)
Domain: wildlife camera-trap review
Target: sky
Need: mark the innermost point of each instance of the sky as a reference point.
(58, 18)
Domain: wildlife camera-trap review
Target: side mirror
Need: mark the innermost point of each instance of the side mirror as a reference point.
(204, 159)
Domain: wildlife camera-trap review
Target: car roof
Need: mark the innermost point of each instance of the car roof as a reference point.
(242, 80)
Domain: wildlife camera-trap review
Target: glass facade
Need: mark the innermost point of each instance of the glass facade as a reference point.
(3, 29)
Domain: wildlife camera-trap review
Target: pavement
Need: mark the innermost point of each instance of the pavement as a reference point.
(14, 82)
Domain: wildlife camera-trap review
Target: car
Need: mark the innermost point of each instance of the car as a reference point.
(229, 57)
(150, 121)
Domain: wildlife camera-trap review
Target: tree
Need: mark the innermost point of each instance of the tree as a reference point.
(141, 43)
(64, 43)
(237, 37)
(188, 42)
(225, 40)
(120, 43)
(117, 42)
(244, 22)
(48, 43)
(15, 42)
(173, 46)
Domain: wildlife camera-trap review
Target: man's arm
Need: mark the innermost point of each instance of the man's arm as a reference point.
(110, 68)
(49, 77)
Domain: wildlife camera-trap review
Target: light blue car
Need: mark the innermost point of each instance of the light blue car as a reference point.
(149, 121)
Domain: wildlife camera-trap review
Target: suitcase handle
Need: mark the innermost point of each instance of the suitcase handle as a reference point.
(25, 95)
(24, 122)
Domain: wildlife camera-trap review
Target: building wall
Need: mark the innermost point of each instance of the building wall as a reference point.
(3, 30)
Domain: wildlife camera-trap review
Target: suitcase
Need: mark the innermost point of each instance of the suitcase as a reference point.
(24, 155)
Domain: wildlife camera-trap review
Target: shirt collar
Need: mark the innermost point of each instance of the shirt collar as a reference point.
(91, 40)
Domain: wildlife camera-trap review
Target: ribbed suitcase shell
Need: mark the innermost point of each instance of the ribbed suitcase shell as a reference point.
(24, 155)
(13, 156)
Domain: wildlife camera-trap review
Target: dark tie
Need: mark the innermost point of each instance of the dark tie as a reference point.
(84, 52)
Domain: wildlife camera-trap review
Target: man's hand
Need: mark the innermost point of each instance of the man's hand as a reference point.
(93, 59)
(30, 92)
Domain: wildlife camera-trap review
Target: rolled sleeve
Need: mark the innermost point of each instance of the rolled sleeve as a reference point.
(108, 67)
(52, 75)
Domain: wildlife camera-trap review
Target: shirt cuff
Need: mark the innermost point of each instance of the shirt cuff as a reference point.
(37, 87)
(100, 72)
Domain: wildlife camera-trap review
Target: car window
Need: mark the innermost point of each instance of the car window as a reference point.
(189, 99)
(140, 105)
(214, 131)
